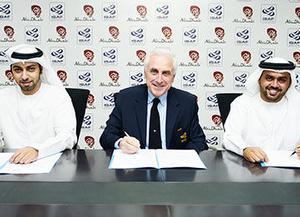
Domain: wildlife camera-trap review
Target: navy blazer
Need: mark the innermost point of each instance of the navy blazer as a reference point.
(183, 130)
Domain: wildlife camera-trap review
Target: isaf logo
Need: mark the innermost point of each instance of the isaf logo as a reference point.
(212, 140)
(243, 36)
(246, 56)
(142, 10)
(162, 11)
(190, 35)
(57, 11)
(108, 101)
(248, 12)
(3, 57)
(57, 56)
(32, 34)
(189, 80)
(84, 34)
(141, 55)
(215, 57)
(85, 78)
(89, 141)
(239, 79)
(211, 101)
(88, 10)
(87, 122)
(109, 56)
(216, 12)
(195, 11)
(109, 11)
(294, 37)
(137, 36)
(266, 54)
(5, 11)
(268, 13)
(136, 78)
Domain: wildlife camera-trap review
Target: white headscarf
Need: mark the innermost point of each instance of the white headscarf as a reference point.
(276, 64)
(25, 53)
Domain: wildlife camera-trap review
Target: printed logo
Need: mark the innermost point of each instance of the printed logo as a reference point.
(266, 54)
(114, 76)
(245, 58)
(61, 31)
(136, 78)
(36, 10)
(142, 11)
(5, 11)
(248, 13)
(216, 12)
(90, 101)
(211, 101)
(162, 11)
(190, 35)
(297, 77)
(194, 12)
(189, 80)
(193, 56)
(57, 11)
(109, 11)
(212, 140)
(242, 36)
(217, 120)
(89, 141)
(297, 12)
(57, 56)
(88, 10)
(272, 34)
(296, 56)
(167, 32)
(239, 80)
(114, 31)
(85, 78)
(137, 36)
(108, 100)
(62, 75)
(297, 20)
(32, 34)
(87, 123)
(218, 78)
(9, 75)
(109, 56)
(141, 55)
(220, 33)
(10, 79)
(268, 13)
(215, 57)
(84, 35)
(3, 58)
(89, 55)
(9, 32)
(293, 37)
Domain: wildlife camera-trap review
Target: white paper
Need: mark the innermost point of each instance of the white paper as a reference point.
(156, 159)
(43, 165)
(4, 158)
(281, 159)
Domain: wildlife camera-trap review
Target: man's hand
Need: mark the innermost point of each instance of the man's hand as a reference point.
(129, 145)
(255, 154)
(24, 156)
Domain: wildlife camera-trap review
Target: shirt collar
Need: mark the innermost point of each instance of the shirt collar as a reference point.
(162, 98)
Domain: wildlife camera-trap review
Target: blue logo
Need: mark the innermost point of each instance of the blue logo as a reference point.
(216, 55)
(191, 33)
(5, 10)
(111, 54)
(241, 78)
(243, 34)
(110, 9)
(58, 9)
(213, 140)
(212, 99)
(266, 55)
(190, 78)
(59, 54)
(163, 10)
(34, 33)
(86, 33)
(137, 77)
(295, 35)
(86, 77)
(109, 98)
(217, 10)
(138, 33)
(270, 11)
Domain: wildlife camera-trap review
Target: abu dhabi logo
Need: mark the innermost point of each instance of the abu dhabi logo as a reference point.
(137, 35)
(215, 57)
(141, 55)
(57, 55)
(109, 11)
(62, 75)
(89, 57)
(272, 35)
(90, 101)
(190, 35)
(193, 57)
(266, 54)
(194, 12)
(211, 101)
(3, 58)
(218, 78)
(295, 20)
(293, 37)
(189, 80)
(61, 32)
(296, 56)
(268, 13)
(248, 13)
(9, 32)
(217, 120)
(162, 11)
(85, 78)
(216, 12)
(88, 14)
(212, 141)
(242, 36)
(10, 79)
(89, 141)
(84, 35)
(239, 80)
(219, 33)
(5, 11)
(32, 34)
(245, 59)
(113, 33)
(87, 123)
(57, 11)
(108, 100)
(141, 14)
(109, 56)
(136, 78)
(36, 12)
(114, 76)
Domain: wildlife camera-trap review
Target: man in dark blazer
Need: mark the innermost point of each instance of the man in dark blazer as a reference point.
(128, 124)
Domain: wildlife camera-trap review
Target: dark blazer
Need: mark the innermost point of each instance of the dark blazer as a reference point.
(183, 130)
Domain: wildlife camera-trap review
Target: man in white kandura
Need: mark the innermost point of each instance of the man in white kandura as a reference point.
(36, 116)
(266, 116)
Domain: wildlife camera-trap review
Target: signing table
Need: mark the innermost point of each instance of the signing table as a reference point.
(81, 184)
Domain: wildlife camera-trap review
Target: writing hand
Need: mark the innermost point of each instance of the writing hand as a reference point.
(24, 156)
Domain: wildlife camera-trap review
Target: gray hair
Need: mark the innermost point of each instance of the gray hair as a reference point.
(161, 52)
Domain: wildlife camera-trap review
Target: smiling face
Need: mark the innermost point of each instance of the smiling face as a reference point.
(159, 74)
(27, 76)
(274, 85)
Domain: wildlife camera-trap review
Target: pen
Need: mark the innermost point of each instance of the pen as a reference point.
(294, 152)
(126, 133)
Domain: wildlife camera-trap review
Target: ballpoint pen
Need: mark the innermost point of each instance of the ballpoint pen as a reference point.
(294, 152)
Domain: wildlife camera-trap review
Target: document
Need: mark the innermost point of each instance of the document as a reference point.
(159, 158)
(281, 159)
(43, 165)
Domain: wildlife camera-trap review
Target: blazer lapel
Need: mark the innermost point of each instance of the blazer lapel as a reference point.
(173, 109)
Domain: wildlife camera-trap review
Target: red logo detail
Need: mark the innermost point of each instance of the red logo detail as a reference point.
(142, 10)
(62, 75)
(114, 31)
(9, 75)
(62, 32)
(36, 10)
(89, 140)
(9, 31)
(216, 119)
(220, 32)
(114, 75)
(297, 12)
(167, 31)
(246, 55)
(296, 56)
(218, 76)
(141, 54)
(90, 99)
(248, 11)
(195, 11)
(89, 55)
(194, 55)
(272, 33)
(89, 10)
